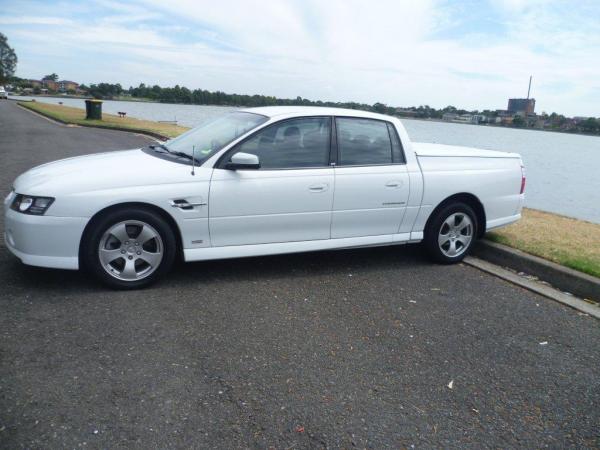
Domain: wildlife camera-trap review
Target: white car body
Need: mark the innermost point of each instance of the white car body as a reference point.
(3, 93)
(259, 212)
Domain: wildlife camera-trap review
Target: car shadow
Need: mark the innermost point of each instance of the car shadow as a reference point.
(28, 279)
(303, 264)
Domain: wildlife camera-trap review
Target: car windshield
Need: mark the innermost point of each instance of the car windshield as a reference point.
(212, 136)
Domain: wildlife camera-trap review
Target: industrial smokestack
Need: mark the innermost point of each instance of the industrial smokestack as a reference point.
(529, 88)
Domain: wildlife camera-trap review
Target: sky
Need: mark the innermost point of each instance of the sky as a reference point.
(470, 54)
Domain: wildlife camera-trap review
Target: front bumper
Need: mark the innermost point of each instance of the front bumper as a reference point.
(44, 241)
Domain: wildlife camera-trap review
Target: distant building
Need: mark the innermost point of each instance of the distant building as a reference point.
(51, 85)
(35, 83)
(405, 112)
(66, 85)
(521, 106)
(504, 117)
(479, 118)
(541, 122)
(463, 118)
(449, 116)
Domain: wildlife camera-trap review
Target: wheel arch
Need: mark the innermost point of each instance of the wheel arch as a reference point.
(156, 209)
(469, 199)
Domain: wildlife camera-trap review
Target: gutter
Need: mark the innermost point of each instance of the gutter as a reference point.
(564, 278)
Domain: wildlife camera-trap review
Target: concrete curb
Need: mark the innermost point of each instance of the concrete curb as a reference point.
(563, 278)
(156, 136)
(534, 286)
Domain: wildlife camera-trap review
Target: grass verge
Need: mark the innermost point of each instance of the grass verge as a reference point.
(70, 115)
(570, 242)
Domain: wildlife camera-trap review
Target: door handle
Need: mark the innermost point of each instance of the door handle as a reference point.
(318, 187)
(394, 184)
(185, 205)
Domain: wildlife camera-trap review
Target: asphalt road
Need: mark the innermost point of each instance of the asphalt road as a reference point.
(333, 349)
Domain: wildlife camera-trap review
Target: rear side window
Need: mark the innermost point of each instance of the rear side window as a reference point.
(397, 151)
(295, 143)
(363, 142)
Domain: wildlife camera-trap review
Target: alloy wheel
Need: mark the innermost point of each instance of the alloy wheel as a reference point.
(455, 235)
(130, 250)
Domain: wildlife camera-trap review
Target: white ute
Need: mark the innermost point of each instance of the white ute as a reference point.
(257, 182)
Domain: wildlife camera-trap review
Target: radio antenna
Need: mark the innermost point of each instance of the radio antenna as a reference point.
(193, 158)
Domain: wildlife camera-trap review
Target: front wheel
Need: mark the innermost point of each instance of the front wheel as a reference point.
(129, 248)
(451, 233)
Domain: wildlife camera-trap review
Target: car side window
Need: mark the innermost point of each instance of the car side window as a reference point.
(363, 142)
(397, 150)
(294, 143)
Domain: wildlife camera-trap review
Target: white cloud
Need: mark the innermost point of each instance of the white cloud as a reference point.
(33, 20)
(396, 52)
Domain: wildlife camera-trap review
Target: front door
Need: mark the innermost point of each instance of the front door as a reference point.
(371, 180)
(288, 199)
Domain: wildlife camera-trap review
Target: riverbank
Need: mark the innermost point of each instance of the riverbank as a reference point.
(569, 242)
(499, 126)
(76, 116)
(120, 98)
(129, 98)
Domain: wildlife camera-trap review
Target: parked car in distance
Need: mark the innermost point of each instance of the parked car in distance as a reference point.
(3, 93)
(256, 182)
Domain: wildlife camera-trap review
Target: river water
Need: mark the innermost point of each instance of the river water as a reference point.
(563, 170)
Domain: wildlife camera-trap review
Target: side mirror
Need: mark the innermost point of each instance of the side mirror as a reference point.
(243, 161)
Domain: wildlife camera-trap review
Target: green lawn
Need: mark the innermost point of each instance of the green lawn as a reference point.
(76, 116)
(569, 242)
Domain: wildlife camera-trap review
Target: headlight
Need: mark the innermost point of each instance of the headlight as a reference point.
(28, 204)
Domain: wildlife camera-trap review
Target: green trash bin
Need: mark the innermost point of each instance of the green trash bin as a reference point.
(93, 109)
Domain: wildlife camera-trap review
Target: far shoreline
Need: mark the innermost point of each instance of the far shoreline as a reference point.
(146, 100)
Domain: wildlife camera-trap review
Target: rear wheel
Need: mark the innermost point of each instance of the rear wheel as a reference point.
(451, 233)
(129, 248)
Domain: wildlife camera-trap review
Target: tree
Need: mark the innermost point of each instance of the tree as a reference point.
(380, 108)
(104, 90)
(8, 60)
(51, 77)
(590, 125)
(518, 121)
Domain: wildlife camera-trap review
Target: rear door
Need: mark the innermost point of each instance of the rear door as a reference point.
(371, 179)
(288, 199)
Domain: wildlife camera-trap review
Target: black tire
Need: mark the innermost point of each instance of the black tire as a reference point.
(434, 228)
(90, 258)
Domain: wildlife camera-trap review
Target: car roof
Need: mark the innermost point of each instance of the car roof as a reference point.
(294, 111)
